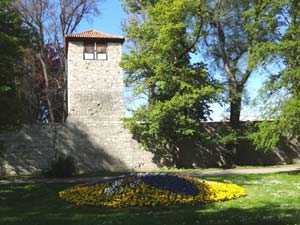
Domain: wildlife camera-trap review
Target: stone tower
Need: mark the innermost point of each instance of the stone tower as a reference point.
(96, 102)
(95, 85)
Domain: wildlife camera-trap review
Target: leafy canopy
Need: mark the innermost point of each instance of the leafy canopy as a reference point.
(279, 22)
(163, 34)
(13, 38)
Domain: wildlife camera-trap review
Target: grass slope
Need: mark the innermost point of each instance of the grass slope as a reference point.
(272, 199)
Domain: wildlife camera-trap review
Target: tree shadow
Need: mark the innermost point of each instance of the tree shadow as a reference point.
(213, 152)
(286, 152)
(296, 173)
(40, 205)
(32, 149)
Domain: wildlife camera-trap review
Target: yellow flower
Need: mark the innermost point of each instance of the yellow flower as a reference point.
(145, 195)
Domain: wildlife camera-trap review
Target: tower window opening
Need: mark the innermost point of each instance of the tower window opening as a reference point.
(95, 51)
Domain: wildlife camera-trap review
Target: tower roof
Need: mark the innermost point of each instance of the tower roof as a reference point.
(94, 34)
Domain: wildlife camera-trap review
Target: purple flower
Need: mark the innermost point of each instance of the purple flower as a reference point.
(171, 183)
(167, 182)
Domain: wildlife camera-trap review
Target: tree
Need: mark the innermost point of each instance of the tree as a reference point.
(13, 39)
(50, 20)
(279, 22)
(163, 35)
(224, 39)
(229, 44)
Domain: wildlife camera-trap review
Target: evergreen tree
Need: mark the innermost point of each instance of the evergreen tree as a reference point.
(13, 38)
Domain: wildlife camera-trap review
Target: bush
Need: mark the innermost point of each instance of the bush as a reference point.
(64, 166)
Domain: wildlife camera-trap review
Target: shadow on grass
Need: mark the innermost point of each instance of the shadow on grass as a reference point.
(39, 204)
(249, 179)
(294, 173)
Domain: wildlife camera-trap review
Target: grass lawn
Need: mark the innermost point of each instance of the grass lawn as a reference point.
(272, 199)
(171, 170)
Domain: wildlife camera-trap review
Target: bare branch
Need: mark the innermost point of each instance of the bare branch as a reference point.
(49, 21)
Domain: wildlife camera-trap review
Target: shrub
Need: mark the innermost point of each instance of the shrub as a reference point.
(63, 167)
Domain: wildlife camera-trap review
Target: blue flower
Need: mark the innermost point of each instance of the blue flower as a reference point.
(167, 182)
(171, 183)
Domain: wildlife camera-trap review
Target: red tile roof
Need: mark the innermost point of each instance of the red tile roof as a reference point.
(94, 34)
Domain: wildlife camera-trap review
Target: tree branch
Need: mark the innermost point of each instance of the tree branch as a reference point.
(188, 49)
(246, 76)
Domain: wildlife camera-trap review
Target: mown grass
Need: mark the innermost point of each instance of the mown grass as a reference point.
(272, 199)
(170, 170)
(174, 170)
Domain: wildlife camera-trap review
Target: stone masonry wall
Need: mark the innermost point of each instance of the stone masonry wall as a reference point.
(33, 148)
(94, 136)
(93, 133)
(96, 106)
(27, 150)
(95, 87)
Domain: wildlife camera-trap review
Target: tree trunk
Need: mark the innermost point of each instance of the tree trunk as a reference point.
(47, 88)
(235, 94)
(65, 89)
(65, 98)
(235, 109)
(175, 151)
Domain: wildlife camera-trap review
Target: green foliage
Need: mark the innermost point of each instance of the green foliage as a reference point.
(13, 38)
(62, 167)
(279, 22)
(159, 66)
(225, 134)
(267, 137)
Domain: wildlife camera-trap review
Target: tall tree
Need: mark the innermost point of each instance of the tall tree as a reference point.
(230, 45)
(224, 39)
(279, 22)
(218, 32)
(50, 20)
(163, 34)
(13, 38)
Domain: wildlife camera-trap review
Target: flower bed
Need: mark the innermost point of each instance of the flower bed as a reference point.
(150, 190)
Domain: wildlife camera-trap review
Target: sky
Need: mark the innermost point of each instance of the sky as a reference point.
(110, 22)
